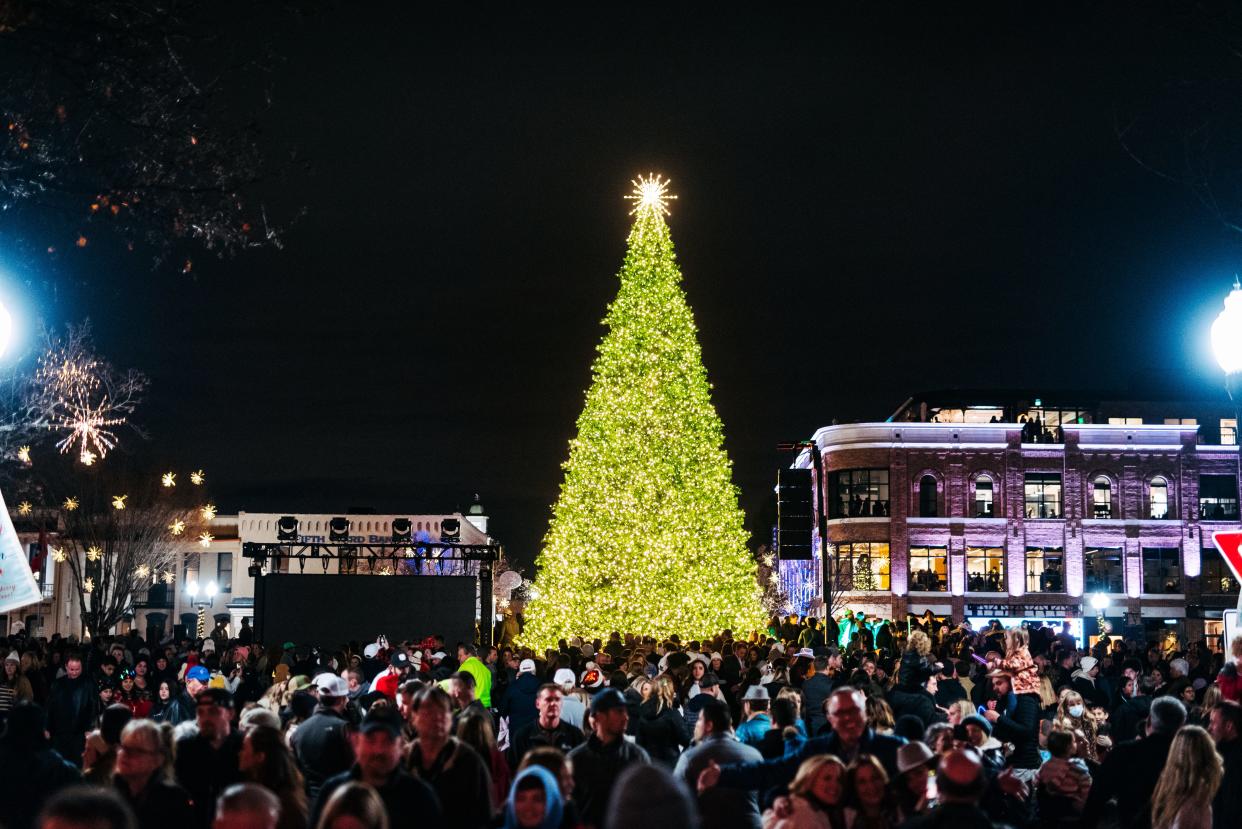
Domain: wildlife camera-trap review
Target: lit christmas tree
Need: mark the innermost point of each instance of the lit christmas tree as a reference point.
(647, 535)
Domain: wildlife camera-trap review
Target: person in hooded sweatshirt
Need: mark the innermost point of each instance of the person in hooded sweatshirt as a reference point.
(535, 801)
(519, 701)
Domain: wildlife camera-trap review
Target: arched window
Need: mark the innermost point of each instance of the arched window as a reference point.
(1159, 498)
(1102, 498)
(984, 506)
(927, 497)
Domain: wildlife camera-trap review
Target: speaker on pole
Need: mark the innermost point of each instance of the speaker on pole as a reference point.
(794, 514)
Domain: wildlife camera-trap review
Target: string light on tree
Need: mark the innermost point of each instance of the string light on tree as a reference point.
(169, 479)
(646, 535)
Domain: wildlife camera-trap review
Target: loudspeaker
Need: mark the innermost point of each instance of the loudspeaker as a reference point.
(794, 514)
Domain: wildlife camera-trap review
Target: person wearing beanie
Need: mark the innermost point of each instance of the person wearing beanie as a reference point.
(14, 687)
(31, 771)
(99, 758)
(1084, 682)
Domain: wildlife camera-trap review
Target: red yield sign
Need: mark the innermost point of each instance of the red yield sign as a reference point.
(1230, 545)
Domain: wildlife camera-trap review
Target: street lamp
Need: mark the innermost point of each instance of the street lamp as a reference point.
(201, 597)
(1227, 344)
(1100, 602)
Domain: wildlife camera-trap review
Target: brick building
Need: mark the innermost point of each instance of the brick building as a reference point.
(1005, 504)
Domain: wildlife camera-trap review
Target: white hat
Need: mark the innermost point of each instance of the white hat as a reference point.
(716, 656)
(805, 652)
(564, 677)
(331, 685)
(1180, 665)
(778, 647)
(756, 692)
(209, 646)
(526, 666)
(371, 650)
(700, 657)
(575, 641)
(12, 657)
(438, 655)
(1088, 662)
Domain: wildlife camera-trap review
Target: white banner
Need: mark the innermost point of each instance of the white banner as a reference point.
(18, 587)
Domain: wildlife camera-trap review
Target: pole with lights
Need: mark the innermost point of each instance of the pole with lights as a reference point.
(201, 597)
(1100, 602)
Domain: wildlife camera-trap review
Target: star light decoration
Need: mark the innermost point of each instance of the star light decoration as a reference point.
(650, 191)
(197, 477)
(169, 577)
(23, 455)
(118, 501)
(205, 539)
(24, 508)
(142, 571)
(94, 553)
(169, 479)
(58, 555)
(88, 586)
(177, 527)
(70, 504)
(208, 512)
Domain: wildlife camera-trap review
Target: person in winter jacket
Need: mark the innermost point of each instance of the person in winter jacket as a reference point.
(71, 710)
(519, 701)
(31, 770)
(598, 763)
(918, 701)
(1084, 682)
(143, 777)
(1015, 719)
(1063, 778)
(916, 662)
(1230, 677)
(661, 727)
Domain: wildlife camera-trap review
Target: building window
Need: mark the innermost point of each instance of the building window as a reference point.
(1228, 431)
(927, 497)
(854, 493)
(1180, 421)
(1103, 572)
(1217, 577)
(983, 497)
(864, 565)
(929, 569)
(985, 569)
(189, 570)
(1102, 498)
(1159, 500)
(1162, 570)
(1218, 497)
(1043, 495)
(224, 572)
(1045, 570)
(1125, 421)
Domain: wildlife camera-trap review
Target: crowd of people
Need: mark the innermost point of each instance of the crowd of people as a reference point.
(920, 724)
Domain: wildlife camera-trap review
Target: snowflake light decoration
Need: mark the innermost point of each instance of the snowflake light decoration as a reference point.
(650, 192)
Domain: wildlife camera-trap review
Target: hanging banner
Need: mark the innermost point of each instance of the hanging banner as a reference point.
(18, 587)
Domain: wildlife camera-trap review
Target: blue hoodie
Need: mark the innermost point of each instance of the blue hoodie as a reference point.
(553, 807)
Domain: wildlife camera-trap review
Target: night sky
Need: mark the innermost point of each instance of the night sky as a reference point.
(866, 207)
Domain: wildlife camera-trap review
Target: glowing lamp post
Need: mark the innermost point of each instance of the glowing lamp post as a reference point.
(1100, 602)
(202, 598)
(1227, 341)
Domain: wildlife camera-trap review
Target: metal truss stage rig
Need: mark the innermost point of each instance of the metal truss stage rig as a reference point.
(394, 559)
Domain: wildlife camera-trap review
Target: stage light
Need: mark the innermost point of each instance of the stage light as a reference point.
(402, 530)
(338, 529)
(450, 530)
(287, 528)
(255, 570)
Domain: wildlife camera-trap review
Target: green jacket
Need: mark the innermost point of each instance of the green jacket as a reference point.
(482, 679)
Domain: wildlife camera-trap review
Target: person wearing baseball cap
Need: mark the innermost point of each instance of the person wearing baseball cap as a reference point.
(573, 710)
(399, 668)
(520, 701)
(599, 761)
(207, 761)
(378, 750)
(321, 744)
